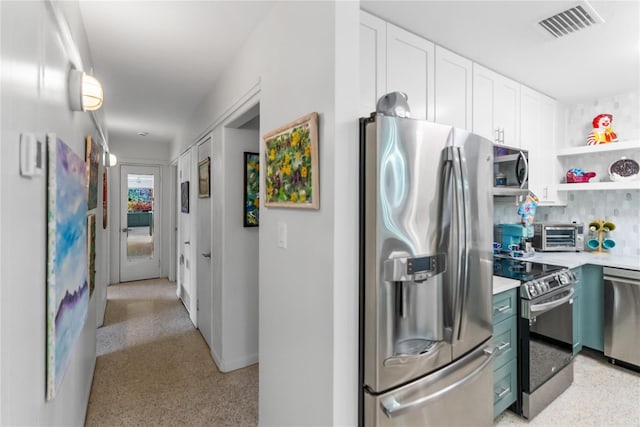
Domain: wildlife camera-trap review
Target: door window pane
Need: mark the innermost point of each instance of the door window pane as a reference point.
(140, 217)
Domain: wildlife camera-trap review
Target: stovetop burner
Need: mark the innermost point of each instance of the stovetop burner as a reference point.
(521, 270)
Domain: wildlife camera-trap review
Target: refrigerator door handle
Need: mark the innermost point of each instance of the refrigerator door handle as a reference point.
(463, 232)
(393, 408)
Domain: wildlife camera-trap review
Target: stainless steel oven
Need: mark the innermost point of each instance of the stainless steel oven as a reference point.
(545, 331)
(545, 340)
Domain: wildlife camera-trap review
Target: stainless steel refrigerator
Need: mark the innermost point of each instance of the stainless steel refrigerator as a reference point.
(426, 265)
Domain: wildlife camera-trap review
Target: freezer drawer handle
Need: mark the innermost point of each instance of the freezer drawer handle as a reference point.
(393, 408)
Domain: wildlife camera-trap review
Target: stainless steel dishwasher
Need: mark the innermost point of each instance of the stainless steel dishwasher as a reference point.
(622, 315)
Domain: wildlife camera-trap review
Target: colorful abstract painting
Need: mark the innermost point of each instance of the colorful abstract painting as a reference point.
(251, 189)
(91, 252)
(105, 211)
(92, 159)
(184, 197)
(291, 162)
(67, 288)
(140, 200)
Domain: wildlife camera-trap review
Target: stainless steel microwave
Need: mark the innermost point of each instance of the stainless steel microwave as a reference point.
(510, 171)
(558, 237)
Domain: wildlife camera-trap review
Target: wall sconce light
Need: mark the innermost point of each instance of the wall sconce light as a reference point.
(85, 91)
(110, 159)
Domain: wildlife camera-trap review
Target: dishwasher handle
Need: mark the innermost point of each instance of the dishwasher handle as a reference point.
(622, 280)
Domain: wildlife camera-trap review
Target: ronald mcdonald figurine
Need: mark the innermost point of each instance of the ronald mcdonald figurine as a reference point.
(602, 132)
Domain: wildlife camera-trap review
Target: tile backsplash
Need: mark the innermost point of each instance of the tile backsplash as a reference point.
(625, 109)
(622, 207)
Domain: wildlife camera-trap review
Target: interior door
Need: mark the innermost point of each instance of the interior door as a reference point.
(140, 235)
(186, 239)
(205, 267)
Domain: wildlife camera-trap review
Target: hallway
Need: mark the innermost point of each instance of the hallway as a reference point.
(154, 368)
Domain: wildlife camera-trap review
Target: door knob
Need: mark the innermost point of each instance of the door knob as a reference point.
(125, 230)
(207, 255)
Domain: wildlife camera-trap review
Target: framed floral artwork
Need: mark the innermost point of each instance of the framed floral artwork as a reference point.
(251, 167)
(291, 173)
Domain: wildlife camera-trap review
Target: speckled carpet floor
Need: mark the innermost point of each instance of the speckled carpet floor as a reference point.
(154, 368)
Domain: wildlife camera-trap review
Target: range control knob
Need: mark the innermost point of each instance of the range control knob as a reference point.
(564, 279)
(532, 290)
(544, 286)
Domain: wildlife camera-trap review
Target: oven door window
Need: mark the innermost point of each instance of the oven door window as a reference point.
(550, 342)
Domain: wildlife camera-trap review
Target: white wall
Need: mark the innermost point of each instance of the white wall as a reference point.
(240, 258)
(147, 153)
(35, 68)
(308, 304)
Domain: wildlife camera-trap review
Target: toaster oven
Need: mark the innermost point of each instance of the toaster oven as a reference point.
(558, 237)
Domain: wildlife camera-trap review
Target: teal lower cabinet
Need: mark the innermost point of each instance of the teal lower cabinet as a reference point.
(505, 339)
(592, 307)
(588, 308)
(505, 387)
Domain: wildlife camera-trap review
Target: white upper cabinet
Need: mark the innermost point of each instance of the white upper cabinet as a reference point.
(411, 69)
(373, 62)
(454, 79)
(496, 107)
(538, 137)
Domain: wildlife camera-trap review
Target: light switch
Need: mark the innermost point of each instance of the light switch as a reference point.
(282, 235)
(32, 155)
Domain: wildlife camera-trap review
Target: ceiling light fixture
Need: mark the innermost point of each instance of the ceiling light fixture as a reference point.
(85, 91)
(143, 133)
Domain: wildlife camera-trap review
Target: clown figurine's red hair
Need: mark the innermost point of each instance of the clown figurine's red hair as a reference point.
(602, 133)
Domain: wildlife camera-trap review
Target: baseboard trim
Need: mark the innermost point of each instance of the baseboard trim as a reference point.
(239, 363)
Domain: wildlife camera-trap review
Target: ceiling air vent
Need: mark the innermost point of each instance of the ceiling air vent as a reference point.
(577, 18)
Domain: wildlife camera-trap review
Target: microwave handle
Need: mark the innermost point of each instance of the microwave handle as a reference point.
(522, 157)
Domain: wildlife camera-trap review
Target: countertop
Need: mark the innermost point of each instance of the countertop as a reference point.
(576, 259)
(501, 284)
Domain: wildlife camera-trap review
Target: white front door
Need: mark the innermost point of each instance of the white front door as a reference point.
(139, 222)
(205, 266)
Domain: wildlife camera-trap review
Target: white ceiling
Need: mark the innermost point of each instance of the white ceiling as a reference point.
(504, 36)
(157, 59)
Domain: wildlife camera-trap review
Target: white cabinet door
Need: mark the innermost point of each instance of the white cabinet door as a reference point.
(453, 90)
(411, 69)
(373, 62)
(538, 136)
(496, 107)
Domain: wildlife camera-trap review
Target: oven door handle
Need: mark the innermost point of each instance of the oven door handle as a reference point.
(537, 308)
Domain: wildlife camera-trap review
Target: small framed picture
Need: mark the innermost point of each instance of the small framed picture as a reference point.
(204, 171)
(251, 171)
(184, 197)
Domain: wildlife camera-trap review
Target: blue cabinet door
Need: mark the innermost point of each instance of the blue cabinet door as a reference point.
(592, 307)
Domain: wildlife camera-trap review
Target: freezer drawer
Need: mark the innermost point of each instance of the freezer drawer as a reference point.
(459, 394)
(622, 315)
